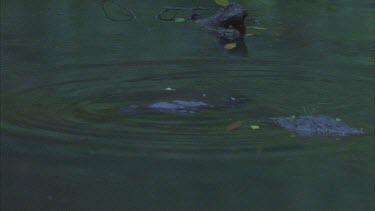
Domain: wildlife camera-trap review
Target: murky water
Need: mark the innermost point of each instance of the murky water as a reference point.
(77, 134)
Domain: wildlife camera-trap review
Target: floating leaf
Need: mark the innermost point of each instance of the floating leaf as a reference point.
(259, 150)
(256, 27)
(338, 119)
(234, 125)
(179, 20)
(293, 116)
(222, 2)
(230, 46)
(169, 89)
(255, 127)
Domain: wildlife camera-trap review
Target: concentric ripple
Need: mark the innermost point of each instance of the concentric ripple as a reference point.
(106, 107)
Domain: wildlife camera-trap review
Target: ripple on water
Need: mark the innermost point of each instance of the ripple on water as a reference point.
(108, 108)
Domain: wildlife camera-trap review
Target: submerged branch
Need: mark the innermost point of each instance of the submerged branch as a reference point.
(128, 13)
(176, 10)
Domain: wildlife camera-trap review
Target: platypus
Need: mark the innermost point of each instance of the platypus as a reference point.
(228, 22)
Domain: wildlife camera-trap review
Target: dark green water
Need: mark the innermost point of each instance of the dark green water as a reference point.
(69, 77)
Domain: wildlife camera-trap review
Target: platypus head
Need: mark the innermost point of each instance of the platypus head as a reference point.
(232, 16)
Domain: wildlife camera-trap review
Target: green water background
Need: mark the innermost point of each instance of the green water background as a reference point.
(69, 76)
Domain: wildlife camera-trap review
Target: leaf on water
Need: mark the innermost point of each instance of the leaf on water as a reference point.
(234, 125)
(169, 89)
(255, 127)
(256, 27)
(259, 150)
(338, 119)
(293, 116)
(179, 20)
(222, 2)
(230, 46)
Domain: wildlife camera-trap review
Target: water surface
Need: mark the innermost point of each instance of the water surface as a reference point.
(76, 134)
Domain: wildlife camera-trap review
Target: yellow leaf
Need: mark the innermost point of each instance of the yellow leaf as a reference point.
(256, 27)
(179, 20)
(230, 46)
(222, 2)
(255, 127)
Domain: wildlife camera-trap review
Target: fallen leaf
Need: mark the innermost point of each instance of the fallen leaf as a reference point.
(256, 27)
(255, 127)
(179, 20)
(230, 46)
(259, 150)
(222, 2)
(234, 125)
